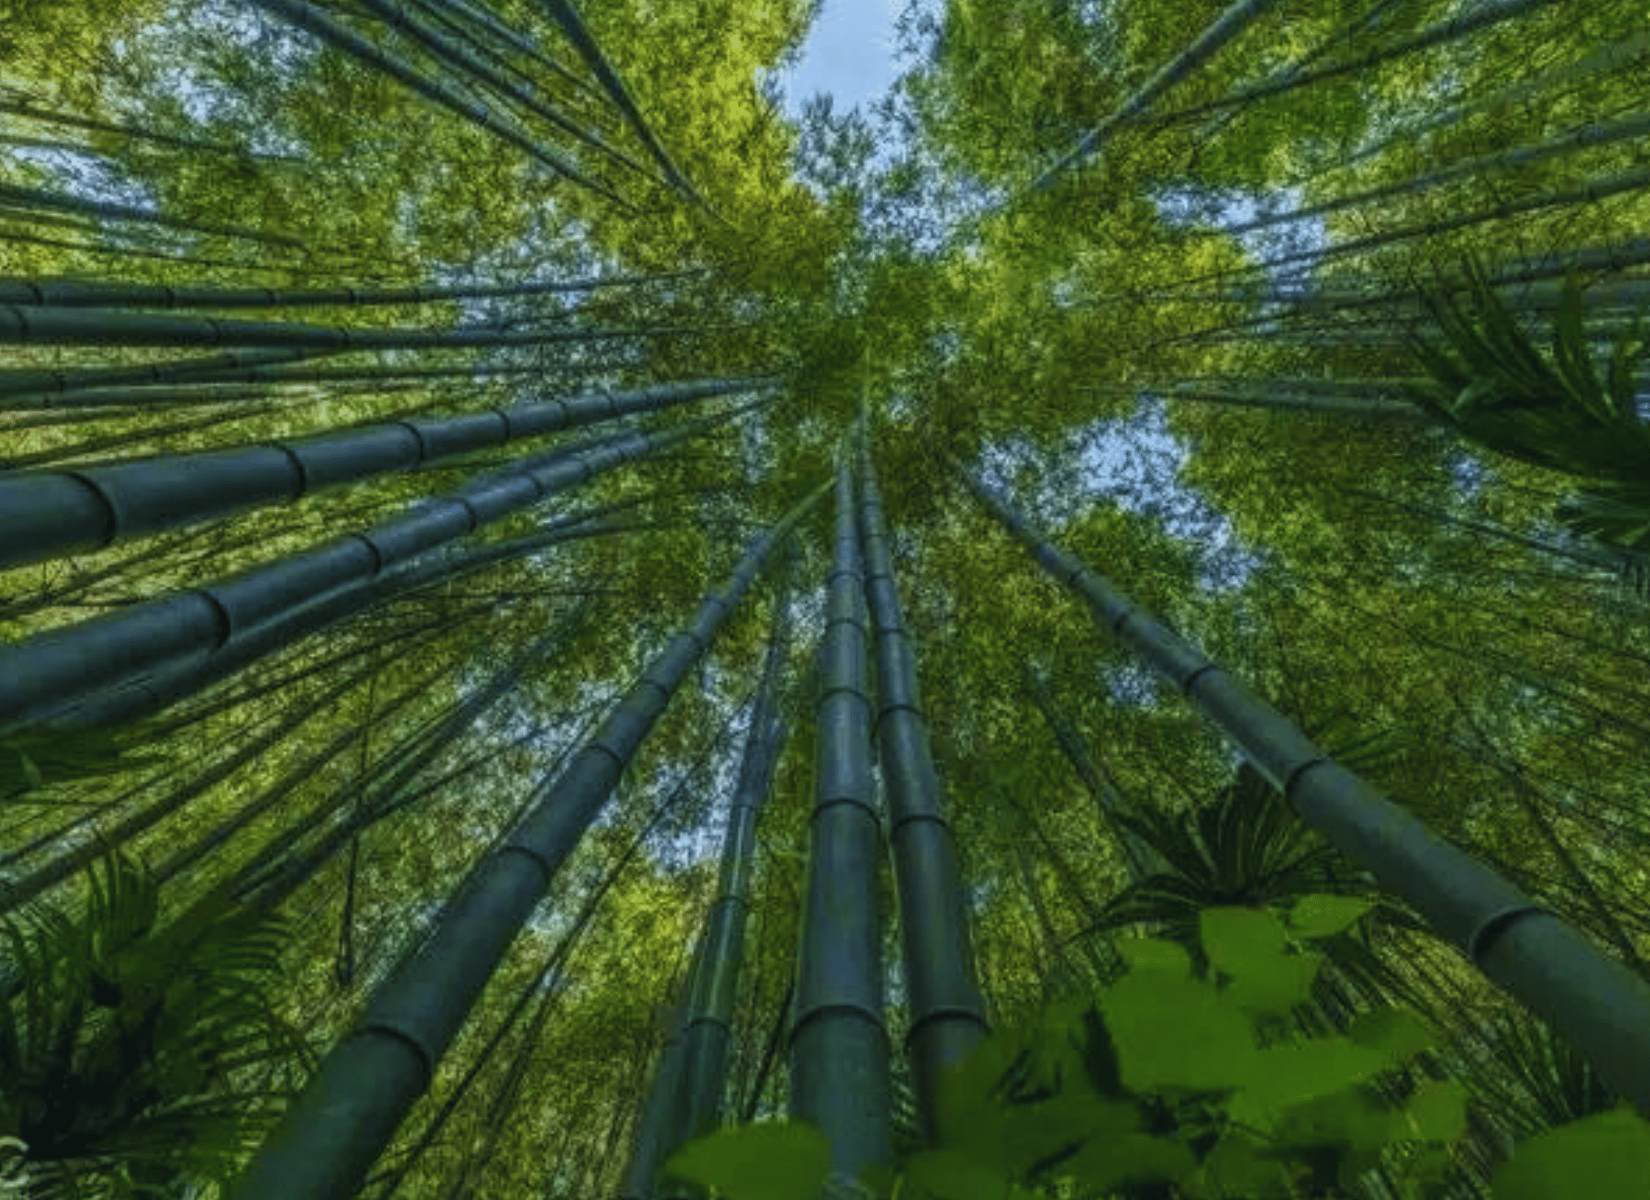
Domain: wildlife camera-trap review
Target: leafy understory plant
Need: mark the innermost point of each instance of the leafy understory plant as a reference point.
(139, 1058)
(1555, 409)
(1174, 1085)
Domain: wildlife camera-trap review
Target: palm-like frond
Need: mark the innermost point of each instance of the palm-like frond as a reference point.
(1540, 1082)
(127, 1050)
(1556, 410)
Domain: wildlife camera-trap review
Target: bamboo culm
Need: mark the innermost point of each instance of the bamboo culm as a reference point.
(1591, 999)
(1233, 21)
(49, 514)
(76, 293)
(147, 696)
(947, 1012)
(315, 20)
(350, 1110)
(35, 326)
(719, 961)
(51, 671)
(839, 1048)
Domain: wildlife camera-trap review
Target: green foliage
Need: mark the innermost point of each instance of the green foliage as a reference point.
(1554, 409)
(768, 1161)
(1606, 1157)
(30, 761)
(135, 1054)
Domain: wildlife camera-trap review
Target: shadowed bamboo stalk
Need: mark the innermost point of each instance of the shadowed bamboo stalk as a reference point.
(76, 293)
(1448, 30)
(16, 196)
(1138, 857)
(719, 962)
(351, 1109)
(839, 1042)
(663, 1118)
(946, 1009)
(32, 326)
(50, 514)
(146, 696)
(50, 671)
(316, 21)
(566, 16)
(454, 55)
(1228, 25)
(1583, 137)
(1594, 1001)
(554, 964)
(40, 386)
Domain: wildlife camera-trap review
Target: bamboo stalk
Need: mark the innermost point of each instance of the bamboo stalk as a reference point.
(351, 1109)
(1594, 1001)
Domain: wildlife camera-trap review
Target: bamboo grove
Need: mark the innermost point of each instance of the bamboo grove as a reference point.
(1079, 631)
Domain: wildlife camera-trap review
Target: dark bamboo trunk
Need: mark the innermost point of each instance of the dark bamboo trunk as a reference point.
(352, 1108)
(50, 672)
(49, 514)
(947, 1012)
(1593, 1000)
(839, 1043)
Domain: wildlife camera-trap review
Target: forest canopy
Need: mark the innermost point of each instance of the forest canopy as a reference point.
(1076, 631)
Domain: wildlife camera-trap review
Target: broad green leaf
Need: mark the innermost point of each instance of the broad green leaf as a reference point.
(1325, 916)
(1235, 1170)
(1283, 1076)
(1437, 1112)
(1276, 985)
(1348, 1117)
(952, 1175)
(1241, 939)
(1133, 1158)
(1177, 1033)
(1395, 1032)
(772, 1161)
(1156, 954)
(1606, 1157)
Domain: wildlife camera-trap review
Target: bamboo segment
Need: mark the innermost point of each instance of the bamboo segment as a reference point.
(149, 695)
(1228, 25)
(716, 975)
(839, 1041)
(48, 514)
(76, 293)
(1594, 1001)
(660, 1107)
(31, 326)
(48, 383)
(52, 670)
(947, 1010)
(1447, 30)
(352, 1107)
(684, 1098)
(315, 20)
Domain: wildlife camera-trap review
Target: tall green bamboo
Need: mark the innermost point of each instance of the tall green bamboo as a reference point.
(36, 326)
(51, 671)
(315, 20)
(839, 1042)
(351, 1109)
(1233, 21)
(48, 514)
(1450, 29)
(146, 696)
(80, 293)
(716, 975)
(947, 1012)
(1593, 1000)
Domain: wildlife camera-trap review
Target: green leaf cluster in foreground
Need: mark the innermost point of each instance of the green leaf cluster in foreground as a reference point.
(1171, 1077)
